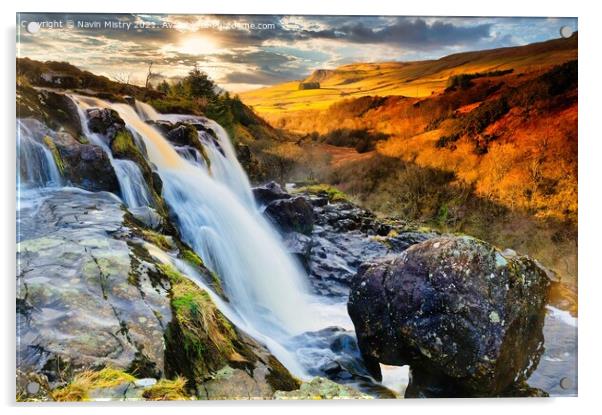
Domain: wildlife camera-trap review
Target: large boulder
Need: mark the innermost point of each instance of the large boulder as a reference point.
(84, 165)
(467, 319)
(291, 215)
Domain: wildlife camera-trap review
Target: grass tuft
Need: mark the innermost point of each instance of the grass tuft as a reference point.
(81, 385)
(167, 390)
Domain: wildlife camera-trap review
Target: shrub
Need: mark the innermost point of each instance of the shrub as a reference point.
(464, 80)
(360, 139)
(309, 85)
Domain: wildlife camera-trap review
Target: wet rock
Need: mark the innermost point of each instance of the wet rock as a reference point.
(84, 165)
(291, 215)
(335, 257)
(251, 380)
(163, 126)
(90, 294)
(321, 388)
(333, 353)
(104, 121)
(403, 240)
(465, 318)
(299, 245)
(157, 182)
(75, 278)
(342, 237)
(183, 134)
(147, 216)
(268, 193)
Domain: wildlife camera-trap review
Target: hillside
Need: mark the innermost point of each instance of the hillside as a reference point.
(243, 124)
(411, 79)
(490, 150)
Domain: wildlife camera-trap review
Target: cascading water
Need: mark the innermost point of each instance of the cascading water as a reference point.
(224, 164)
(132, 185)
(36, 165)
(216, 214)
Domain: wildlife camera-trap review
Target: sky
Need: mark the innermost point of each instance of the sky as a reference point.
(246, 52)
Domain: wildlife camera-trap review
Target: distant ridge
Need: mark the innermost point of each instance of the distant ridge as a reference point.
(411, 79)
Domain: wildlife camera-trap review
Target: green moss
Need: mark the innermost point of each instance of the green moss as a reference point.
(334, 194)
(199, 339)
(171, 273)
(190, 256)
(123, 145)
(55, 153)
(157, 239)
(193, 259)
(279, 378)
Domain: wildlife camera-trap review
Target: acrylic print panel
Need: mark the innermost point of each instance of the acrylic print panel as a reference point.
(295, 207)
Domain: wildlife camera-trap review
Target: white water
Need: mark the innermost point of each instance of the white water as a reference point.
(225, 167)
(132, 185)
(216, 214)
(35, 164)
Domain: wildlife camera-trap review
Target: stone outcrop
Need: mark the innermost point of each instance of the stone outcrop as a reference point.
(94, 290)
(465, 318)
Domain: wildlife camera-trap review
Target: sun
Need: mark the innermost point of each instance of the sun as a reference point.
(197, 45)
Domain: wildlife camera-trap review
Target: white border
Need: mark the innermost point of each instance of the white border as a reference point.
(590, 201)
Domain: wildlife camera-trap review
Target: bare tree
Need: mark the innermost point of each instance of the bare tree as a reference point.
(151, 75)
(122, 77)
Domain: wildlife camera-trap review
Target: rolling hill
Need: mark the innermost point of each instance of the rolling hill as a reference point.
(410, 79)
(483, 143)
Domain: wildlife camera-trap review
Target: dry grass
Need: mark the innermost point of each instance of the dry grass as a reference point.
(411, 79)
(81, 385)
(167, 390)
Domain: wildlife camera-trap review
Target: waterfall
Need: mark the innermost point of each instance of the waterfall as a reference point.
(225, 166)
(229, 234)
(133, 188)
(214, 210)
(36, 166)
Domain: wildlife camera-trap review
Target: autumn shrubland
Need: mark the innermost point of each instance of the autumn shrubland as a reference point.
(491, 152)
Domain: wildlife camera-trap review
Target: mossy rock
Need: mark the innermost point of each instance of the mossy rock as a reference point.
(334, 195)
(199, 340)
(124, 147)
(211, 277)
(55, 110)
(56, 155)
(185, 134)
(321, 388)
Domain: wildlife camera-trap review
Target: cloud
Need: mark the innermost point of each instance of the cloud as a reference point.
(278, 48)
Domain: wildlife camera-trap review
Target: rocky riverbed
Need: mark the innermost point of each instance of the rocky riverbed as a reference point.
(112, 303)
(345, 248)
